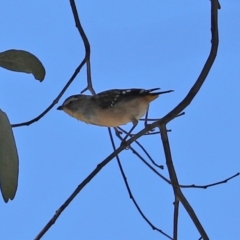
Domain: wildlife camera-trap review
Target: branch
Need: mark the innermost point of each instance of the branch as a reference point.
(85, 60)
(206, 68)
(199, 82)
(167, 180)
(55, 101)
(95, 172)
(140, 145)
(167, 118)
(210, 185)
(130, 192)
(148, 155)
(177, 191)
(175, 218)
(77, 190)
(180, 107)
(86, 45)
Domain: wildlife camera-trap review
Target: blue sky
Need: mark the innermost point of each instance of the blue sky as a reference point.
(144, 45)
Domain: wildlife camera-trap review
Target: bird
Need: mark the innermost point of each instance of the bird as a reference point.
(111, 108)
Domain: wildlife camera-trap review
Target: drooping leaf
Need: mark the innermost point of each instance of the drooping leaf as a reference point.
(8, 159)
(22, 61)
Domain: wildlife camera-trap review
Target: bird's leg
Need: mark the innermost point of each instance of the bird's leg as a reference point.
(146, 117)
(118, 131)
(135, 122)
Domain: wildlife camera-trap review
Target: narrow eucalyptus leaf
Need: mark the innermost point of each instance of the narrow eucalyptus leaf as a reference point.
(22, 61)
(8, 159)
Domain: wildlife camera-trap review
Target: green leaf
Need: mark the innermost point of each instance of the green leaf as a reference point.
(8, 159)
(22, 61)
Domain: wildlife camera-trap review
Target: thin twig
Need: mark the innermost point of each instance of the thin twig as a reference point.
(145, 162)
(55, 101)
(140, 145)
(209, 185)
(148, 155)
(175, 218)
(85, 60)
(86, 45)
(156, 119)
(130, 192)
(132, 134)
(168, 181)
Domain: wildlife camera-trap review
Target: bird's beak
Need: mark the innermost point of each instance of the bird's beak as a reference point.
(60, 108)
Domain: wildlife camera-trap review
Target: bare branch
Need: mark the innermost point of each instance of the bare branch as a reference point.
(94, 173)
(177, 191)
(206, 68)
(77, 190)
(175, 218)
(87, 48)
(140, 145)
(55, 101)
(162, 123)
(85, 60)
(156, 119)
(167, 180)
(210, 185)
(130, 192)
(180, 107)
(148, 155)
